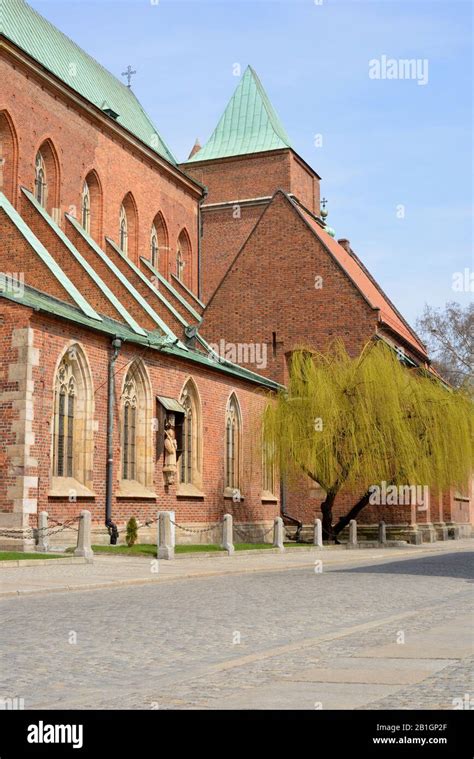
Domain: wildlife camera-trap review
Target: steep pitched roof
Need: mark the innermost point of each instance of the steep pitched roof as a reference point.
(67, 61)
(249, 124)
(364, 281)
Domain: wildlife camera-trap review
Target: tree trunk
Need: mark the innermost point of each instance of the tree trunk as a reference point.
(326, 510)
(343, 521)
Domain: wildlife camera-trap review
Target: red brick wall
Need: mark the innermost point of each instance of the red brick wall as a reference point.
(270, 288)
(38, 115)
(167, 378)
(224, 232)
(19, 257)
(243, 177)
(304, 184)
(8, 157)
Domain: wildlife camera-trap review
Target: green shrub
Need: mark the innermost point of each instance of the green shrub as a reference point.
(132, 532)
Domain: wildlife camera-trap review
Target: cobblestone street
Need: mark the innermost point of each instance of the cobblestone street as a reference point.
(381, 635)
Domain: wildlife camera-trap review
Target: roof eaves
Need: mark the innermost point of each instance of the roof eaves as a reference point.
(223, 366)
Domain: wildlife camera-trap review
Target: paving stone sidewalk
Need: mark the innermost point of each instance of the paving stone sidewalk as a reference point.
(116, 571)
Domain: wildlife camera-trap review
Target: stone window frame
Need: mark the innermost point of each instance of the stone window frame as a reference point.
(73, 374)
(159, 228)
(41, 182)
(86, 207)
(268, 476)
(190, 398)
(136, 384)
(233, 421)
(154, 248)
(123, 230)
(47, 162)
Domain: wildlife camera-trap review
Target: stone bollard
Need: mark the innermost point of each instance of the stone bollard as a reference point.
(227, 538)
(417, 538)
(43, 541)
(318, 533)
(84, 547)
(382, 533)
(278, 534)
(166, 535)
(352, 533)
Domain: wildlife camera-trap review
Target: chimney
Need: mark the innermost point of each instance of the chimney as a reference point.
(346, 245)
(196, 149)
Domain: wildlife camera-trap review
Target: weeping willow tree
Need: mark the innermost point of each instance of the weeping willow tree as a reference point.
(351, 423)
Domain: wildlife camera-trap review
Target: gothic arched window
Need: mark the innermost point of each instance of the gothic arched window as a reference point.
(72, 448)
(136, 432)
(268, 470)
(189, 451)
(86, 208)
(123, 231)
(129, 435)
(64, 428)
(232, 444)
(154, 247)
(179, 265)
(40, 179)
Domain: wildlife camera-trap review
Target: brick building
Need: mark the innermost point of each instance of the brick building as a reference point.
(116, 281)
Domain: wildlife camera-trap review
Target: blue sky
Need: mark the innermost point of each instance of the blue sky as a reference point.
(386, 143)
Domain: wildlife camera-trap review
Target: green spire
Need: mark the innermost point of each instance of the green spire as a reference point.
(249, 124)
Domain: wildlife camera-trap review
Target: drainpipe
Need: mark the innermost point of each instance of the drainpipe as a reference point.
(111, 526)
(199, 221)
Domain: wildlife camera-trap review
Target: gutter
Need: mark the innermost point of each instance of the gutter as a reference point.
(111, 526)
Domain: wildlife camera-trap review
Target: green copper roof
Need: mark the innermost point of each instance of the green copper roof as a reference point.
(39, 301)
(171, 290)
(47, 259)
(249, 124)
(85, 265)
(63, 58)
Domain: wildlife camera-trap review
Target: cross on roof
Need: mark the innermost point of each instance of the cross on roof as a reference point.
(129, 73)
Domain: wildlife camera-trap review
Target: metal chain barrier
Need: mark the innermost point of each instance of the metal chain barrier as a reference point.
(195, 531)
(243, 535)
(32, 532)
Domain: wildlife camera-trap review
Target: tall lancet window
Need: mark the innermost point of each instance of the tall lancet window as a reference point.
(86, 208)
(154, 247)
(64, 419)
(179, 265)
(189, 436)
(232, 444)
(123, 231)
(186, 463)
(129, 433)
(72, 424)
(40, 179)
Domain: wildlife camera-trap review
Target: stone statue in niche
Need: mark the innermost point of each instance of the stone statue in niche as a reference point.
(171, 445)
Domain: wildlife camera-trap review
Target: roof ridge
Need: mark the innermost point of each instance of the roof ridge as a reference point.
(273, 116)
(19, 25)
